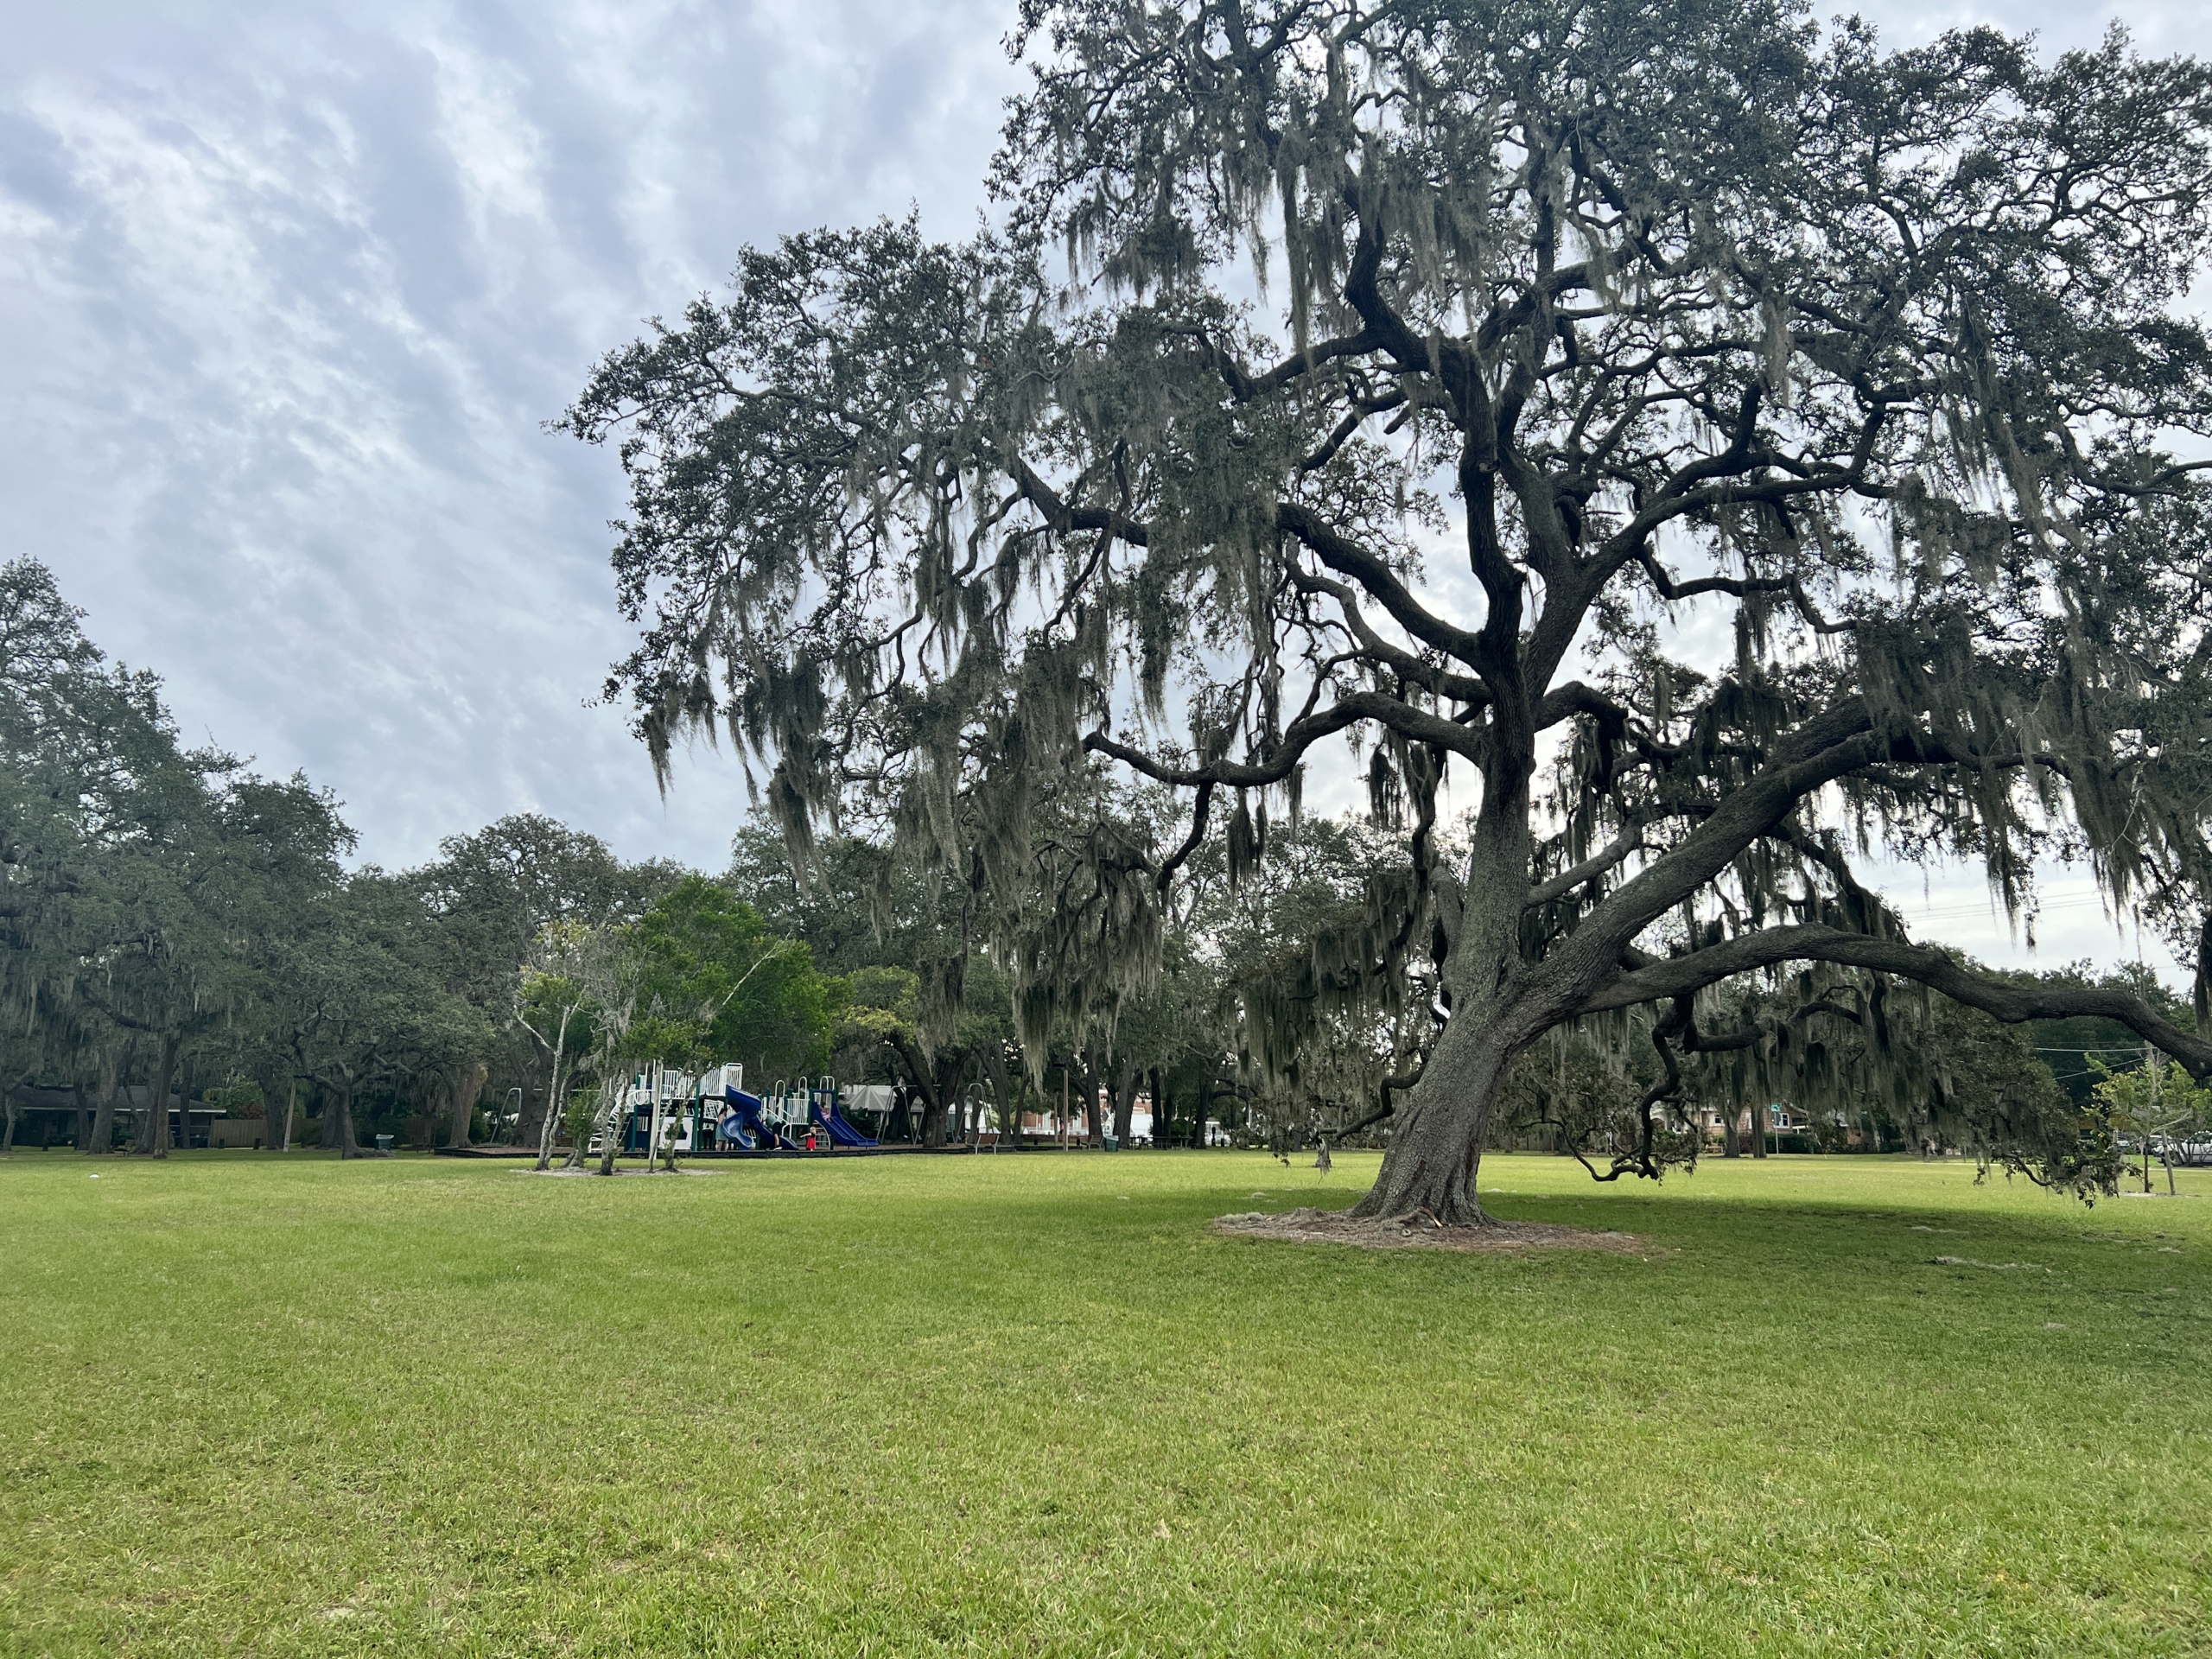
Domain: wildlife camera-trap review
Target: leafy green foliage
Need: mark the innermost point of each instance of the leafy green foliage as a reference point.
(163, 909)
(716, 985)
(2159, 1105)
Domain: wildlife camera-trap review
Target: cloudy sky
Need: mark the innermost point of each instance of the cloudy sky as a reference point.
(286, 292)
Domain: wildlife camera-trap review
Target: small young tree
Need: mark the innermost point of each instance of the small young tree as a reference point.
(1594, 329)
(549, 996)
(608, 971)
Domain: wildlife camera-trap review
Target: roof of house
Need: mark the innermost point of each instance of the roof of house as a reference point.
(39, 1098)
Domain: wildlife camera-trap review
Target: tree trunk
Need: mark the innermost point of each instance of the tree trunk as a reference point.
(1094, 1131)
(1002, 1102)
(338, 1115)
(1732, 1142)
(338, 1122)
(81, 1131)
(1429, 1171)
(273, 1133)
(930, 1084)
(1205, 1109)
(940, 1088)
(550, 1126)
(8, 1136)
(1435, 1151)
(464, 1088)
(1163, 1120)
(156, 1138)
(580, 1143)
(614, 1109)
(113, 1069)
(1758, 1129)
(932, 1118)
(1125, 1102)
(187, 1071)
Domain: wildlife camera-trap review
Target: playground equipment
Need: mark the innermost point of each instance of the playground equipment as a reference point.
(744, 1123)
(832, 1120)
(716, 1110)
(681, 1129)
(784, 1108)
(802, 1117)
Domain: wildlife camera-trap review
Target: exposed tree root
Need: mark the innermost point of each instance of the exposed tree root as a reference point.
(1445, 1212)
(1311, 1226)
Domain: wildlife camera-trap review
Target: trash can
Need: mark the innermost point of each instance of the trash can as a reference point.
(383, 1143)
(1110, 1142)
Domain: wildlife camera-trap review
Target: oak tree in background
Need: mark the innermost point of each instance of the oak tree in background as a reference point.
(149, 887)
(494, 893)
(363, 1004)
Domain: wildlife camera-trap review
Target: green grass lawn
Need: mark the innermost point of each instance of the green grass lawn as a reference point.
(272, 1405)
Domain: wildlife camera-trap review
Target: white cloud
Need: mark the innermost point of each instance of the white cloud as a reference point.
(286, 293)
(287, 298)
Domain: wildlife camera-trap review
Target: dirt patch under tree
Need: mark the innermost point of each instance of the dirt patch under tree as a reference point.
(1311, 1226)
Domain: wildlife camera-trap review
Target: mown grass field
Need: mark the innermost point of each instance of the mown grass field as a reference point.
(253, 1404)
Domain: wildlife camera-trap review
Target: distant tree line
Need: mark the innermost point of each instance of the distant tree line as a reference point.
(178, 927)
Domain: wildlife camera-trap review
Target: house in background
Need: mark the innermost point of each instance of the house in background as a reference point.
(1781, 1118)
(61, 1117)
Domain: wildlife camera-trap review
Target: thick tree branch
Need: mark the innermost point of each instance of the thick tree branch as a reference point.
(1067, 519)
(1245, 387)
(1823, 749)
(1176, 859)
(1679, 977)
(1347, 557)
(1404, 664)
(1596, 865)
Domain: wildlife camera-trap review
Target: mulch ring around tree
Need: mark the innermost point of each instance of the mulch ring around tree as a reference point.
(1311, 1226)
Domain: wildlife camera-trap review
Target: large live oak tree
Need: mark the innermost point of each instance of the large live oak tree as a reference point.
(1719, 445)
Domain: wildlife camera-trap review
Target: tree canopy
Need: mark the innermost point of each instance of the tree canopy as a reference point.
(1719, 447)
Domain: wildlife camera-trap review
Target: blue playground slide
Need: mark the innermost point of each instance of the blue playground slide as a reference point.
(741, 1125)
(834, 1121)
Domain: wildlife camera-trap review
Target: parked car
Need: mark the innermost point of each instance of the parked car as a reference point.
(2194, 1154)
